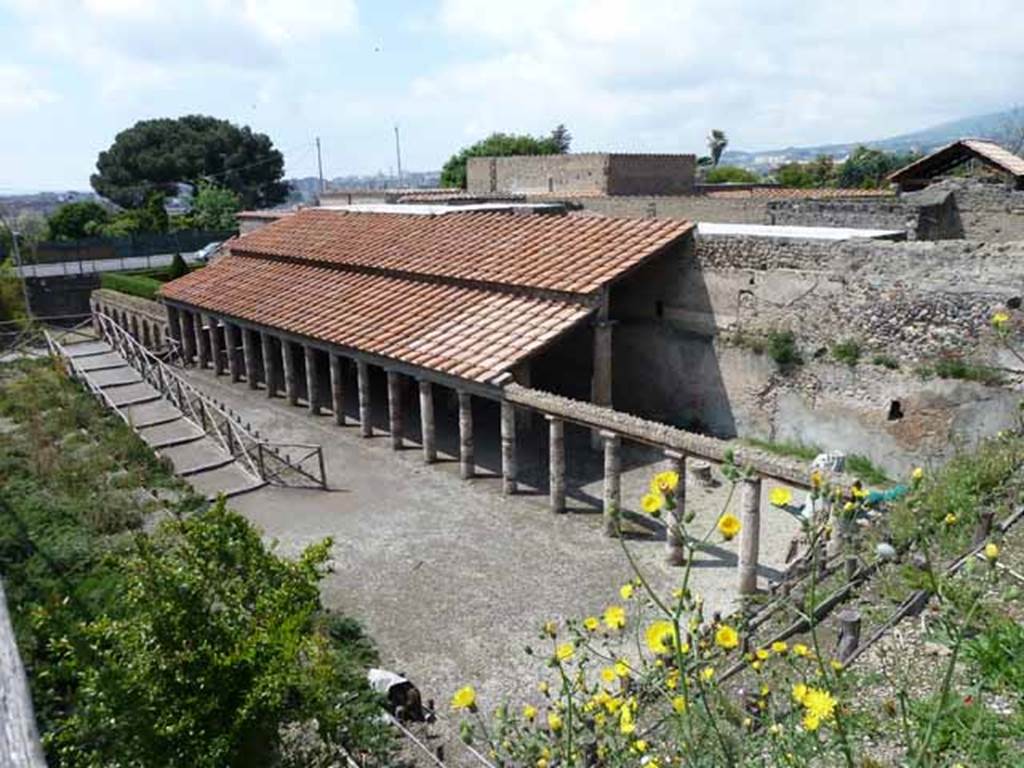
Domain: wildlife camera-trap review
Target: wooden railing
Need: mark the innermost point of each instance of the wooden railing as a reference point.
(269, 461)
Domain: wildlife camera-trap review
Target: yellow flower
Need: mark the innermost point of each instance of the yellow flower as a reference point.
(639, 746)
(529, 712)
(728, 525)
(819, 703)
(756, 665)
(836, 664)
(950, 519)
(564, 652)
(626, 722)
(665, 482)
(543, 687)
(626, 591)
(999, 320)
(917, 475)
(621, 669)
(992, 552)
(816, 479)
(707, 673)
(591, 623)
(608, 675)
(849, 506)
(661, 637)
(550, 628)
(799, 649)
(811, 722)
(464, 698)
(779, 646)
(727, 637)
(615, 617)
(780, 497)
(857, 492)
(651, 503)
(554, 721)
(800, 692)
(775, 729)
(762, 654)
(679, 704)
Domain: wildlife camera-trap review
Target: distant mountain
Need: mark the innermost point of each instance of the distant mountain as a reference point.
(990, 126)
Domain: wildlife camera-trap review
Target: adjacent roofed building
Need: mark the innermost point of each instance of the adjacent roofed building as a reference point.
(327, 306)
(597, 173)
(922, 172)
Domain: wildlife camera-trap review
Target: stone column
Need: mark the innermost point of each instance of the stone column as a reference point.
(215, 345)
(556, 458)
(509, 465)
(674, 551)
(312, 381)
(395, 409)
(231, 342)
(337, 390)
(612, 481)
(188, 337)
(202, 341)
(750, 534)
(269, 379)
(601, 382)
(427, 421)
(174, 323)
(249, 357)
(466, 459)
(291, 380)
(363, 376)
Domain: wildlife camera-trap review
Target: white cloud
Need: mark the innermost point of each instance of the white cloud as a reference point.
(130, 44)
(657, 74)
(21, 92)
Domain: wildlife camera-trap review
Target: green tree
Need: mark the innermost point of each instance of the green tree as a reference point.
(178, 267)
(154, 155)
(561, 138)
(731, 174)
(453, 174)
(214, 645)
(12, 299)
(215, 207)
(717, 142)
(74, 221)
(867, 168)
(818, 173)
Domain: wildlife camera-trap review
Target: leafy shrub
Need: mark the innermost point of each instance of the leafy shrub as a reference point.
(964, 370)
(847, 351)
(997, 654)
(134, 285)
(782, 348)
(178, 267)
(886, 361)
(731, 174)
(866, 470)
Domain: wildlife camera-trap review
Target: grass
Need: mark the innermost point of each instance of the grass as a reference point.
(134, 285)
(963, 370)
(847, 352)
(861, 466)
(886, 361)
(782, 348)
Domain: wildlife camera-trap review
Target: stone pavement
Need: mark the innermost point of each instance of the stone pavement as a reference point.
(450, 578)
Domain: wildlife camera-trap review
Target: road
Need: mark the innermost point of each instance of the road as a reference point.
(61, 268)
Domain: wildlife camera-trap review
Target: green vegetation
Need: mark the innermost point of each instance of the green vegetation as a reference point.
(782, 348)
(453, 173)
(73, 221)
(862, 467)
(132, 284)
(12, 299)
(731, 174)
(214, 207)
(789, 448)
(194, 645)
(864, 169)
(886, 361)
(847, 351)
(155, 155)
(717, 141)
(959, 368)
(178, 267)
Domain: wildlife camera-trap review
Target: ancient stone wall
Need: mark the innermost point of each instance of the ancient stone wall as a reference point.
(582, 174)
(988, 212)
(146, 320)
(691, 343)
(886, 213)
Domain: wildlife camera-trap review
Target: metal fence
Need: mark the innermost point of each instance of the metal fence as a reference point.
(128, 247)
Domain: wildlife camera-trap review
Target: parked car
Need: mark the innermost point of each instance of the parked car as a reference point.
(203, 254)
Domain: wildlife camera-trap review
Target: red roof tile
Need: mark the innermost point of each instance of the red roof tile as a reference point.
(470, 295)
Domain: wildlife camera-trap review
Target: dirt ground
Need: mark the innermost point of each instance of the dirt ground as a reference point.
(451, 579)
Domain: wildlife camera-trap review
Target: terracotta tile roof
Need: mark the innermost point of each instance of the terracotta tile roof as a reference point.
(470, 295)
(529, 251)
(952, 155)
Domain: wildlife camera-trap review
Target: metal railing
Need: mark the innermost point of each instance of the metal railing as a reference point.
(271, 462)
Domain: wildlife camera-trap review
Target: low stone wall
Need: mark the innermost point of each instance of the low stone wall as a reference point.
(990, 212)
(146, 320)
(857, 214)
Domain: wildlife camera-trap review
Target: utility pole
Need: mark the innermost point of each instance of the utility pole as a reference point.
(320, 165)
(398, 154)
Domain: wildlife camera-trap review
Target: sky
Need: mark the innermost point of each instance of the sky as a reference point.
(623, 75)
